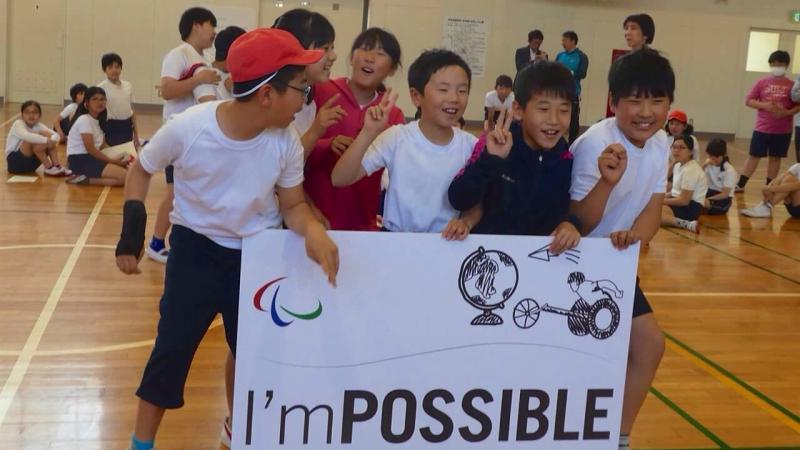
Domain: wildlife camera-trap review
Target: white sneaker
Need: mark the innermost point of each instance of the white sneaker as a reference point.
(693, 226)
(54, 171)
(66, 172)
(225, 434)
(760, 210)
(159, 256)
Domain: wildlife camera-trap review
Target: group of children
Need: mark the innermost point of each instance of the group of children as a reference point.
(320, 146)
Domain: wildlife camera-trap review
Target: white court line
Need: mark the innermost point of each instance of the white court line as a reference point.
(15, 117)
(32, 343)
(722, 294)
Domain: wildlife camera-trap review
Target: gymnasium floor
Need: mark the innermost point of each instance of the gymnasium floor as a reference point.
(75, 333)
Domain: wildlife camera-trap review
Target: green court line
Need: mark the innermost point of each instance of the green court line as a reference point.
(692, 421)
(735, 379)
(755, 244)
(731, 255)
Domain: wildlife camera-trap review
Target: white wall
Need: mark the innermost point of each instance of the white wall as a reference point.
(705, 41)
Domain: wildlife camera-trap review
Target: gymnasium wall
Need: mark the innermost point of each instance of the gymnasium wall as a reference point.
(706, 42)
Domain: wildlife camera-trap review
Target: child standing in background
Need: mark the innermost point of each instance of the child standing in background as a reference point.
(121, 125)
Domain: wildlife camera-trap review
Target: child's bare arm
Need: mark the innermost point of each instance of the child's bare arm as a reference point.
(611, 164)
(301, 220)
(682, 200)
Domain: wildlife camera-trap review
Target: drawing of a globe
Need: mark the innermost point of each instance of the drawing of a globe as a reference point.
(488, 278)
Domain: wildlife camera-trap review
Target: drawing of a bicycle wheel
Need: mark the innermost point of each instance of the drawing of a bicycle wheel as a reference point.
(607, 311)
(526, 313)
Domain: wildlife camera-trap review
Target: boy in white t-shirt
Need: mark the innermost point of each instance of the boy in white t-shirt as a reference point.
(501, 98)
(642, 86)
(218, 202)
(683, 205)
(784, 188)
(64, 119)
(121, 124)
(423, 156)
(180, 78)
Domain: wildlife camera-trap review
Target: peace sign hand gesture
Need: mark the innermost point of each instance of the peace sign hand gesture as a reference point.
(499, 140)
(376, 117)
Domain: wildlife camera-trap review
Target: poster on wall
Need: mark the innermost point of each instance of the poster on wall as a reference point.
(494, 342)
(467, 36)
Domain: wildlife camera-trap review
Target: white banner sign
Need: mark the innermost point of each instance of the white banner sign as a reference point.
(469, 37)
(488, 343)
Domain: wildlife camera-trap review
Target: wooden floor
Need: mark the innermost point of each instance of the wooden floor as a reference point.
(75, 333)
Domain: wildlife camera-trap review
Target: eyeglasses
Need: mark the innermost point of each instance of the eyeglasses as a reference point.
(306, 90)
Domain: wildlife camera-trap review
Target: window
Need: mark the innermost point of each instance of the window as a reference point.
(761, 44)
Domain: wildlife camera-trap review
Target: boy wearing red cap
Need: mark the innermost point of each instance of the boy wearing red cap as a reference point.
(219, 200)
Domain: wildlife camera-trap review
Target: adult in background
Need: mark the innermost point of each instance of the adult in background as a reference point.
(531, 52)
(639, 30)
(578, 63)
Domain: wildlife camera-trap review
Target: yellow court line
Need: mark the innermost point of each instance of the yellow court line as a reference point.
(20, 368)
(781, 417)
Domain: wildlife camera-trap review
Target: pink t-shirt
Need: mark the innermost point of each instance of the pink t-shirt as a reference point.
(776, 90)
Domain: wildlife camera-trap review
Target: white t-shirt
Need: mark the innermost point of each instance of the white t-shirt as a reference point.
(720, 179)
(218, 91)
(794, 169)
(176, 63)
(305, 118)
(119, 98)
(68, 111)
(420, 173)
(20, 133)
(85, 124)
(645, 175)
(493, 101)
(689, 177)
(224, 188)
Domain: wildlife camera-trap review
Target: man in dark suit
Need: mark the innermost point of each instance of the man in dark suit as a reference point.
(531, 52)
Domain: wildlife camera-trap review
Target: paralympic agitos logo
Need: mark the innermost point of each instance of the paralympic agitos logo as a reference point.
(274, 306)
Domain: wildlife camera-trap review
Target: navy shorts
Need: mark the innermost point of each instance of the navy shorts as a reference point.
(86, 164)
(717, 207)
(768, 144)
(119, 131)
(688, 212)
(17, 162)
(66, 125)
(201, 281)
(640, 304)
(794, 210)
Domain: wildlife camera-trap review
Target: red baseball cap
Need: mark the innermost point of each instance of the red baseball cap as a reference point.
(264, 51)
(679, 115)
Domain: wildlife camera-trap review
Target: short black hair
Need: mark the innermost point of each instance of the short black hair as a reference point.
(687, 139)
(430, 62)
(372, 38)
(279, 82)
(544, 77)
(82, 109)
(31, 103)
(195, 15)
(646, 23)
(571, 35)
(223, 41)
(76, 89)
(310, 28)
(535, 34)
(717, 147)
(780, 56)
(109, 59)
(504, 81)
(641, 73)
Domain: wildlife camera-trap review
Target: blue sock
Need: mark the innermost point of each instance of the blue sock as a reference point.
(141, 445)
(157, 244)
